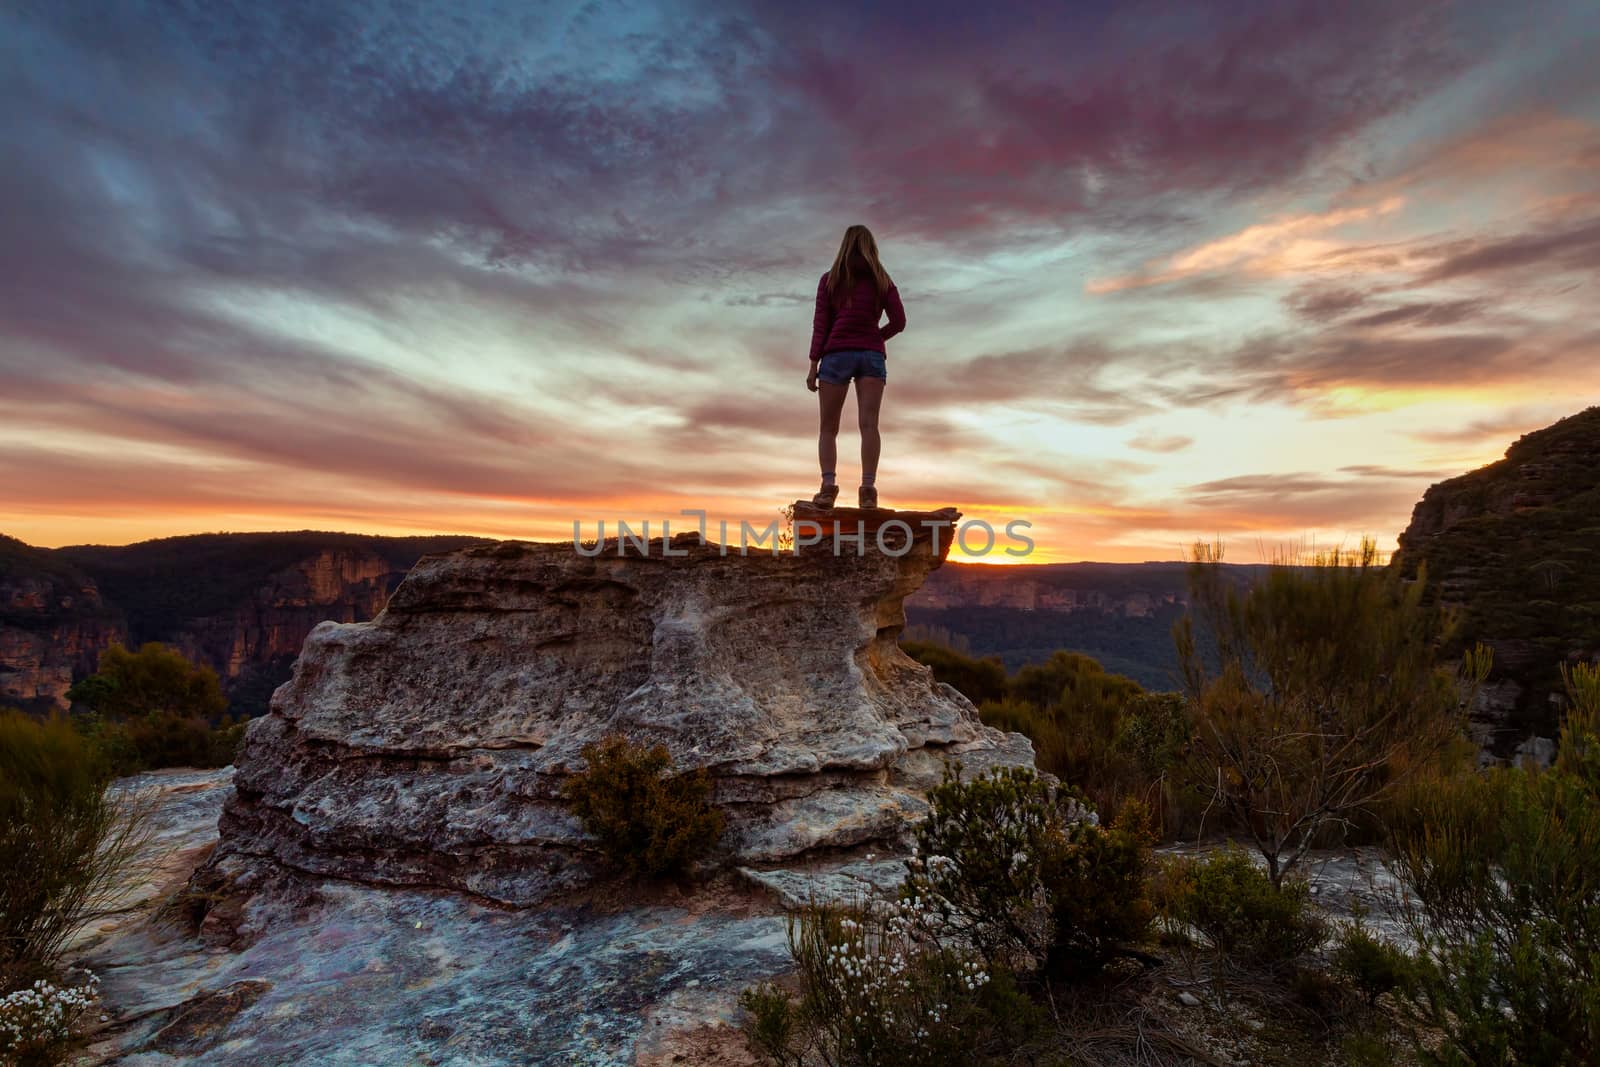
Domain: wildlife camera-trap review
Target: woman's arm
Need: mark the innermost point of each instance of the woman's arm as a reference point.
(821, 321)
(897, 314)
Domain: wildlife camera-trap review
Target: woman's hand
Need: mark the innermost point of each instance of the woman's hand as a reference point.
(811, 379)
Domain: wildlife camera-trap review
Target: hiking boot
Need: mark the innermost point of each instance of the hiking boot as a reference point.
(825, 496)
(867, 496)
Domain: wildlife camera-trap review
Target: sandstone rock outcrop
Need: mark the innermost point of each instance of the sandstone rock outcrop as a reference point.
(428, 747)
(1516, 546)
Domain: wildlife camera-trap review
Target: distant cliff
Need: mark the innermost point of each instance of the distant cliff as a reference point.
(239, 603)
(1119, 613)
(1516, 546)
(53, 624)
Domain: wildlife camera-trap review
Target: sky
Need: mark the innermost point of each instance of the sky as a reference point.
(1250, 272)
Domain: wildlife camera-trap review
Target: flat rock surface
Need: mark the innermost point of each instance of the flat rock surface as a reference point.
(361, 975)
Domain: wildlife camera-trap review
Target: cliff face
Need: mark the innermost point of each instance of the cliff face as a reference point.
(428, 747)
(53, 624)
(251, 646)
(241, 604)
(1516, 547)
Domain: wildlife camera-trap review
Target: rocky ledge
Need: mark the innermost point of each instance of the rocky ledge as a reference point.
(428, 747)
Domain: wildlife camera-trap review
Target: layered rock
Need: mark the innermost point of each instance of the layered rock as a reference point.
(53, 626)
(429, 746)
(1516, 546)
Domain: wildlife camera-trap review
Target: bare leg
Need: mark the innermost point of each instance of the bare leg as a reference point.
(830, 401)
(869, 398)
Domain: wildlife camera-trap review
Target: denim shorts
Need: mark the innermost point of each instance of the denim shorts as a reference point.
(839, 368)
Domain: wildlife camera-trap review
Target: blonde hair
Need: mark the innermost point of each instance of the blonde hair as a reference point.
(846, 273)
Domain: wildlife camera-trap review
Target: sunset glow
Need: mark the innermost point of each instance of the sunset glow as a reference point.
(1259, 272)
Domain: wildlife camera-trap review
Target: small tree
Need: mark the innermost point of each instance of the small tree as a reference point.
(156, 679)
(1325, 695)
(66, 841)
(153, 708)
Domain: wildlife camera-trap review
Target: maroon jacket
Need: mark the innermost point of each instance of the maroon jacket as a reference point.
(855, 326)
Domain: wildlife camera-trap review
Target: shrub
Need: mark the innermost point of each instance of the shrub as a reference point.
(40, 1023)
(161, 740)
(1579, 750)
(1325, 699)
(153, 708)
(1097, 885)
(773, 1023)
(155, 679)
(1011, 875)
(1504, 900)
(885, 986)
(65, 841)
(1233, 902)
(649, 822)
(1023, 871)
(1370, 964)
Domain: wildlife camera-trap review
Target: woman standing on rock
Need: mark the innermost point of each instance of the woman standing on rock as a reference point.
(846, 345)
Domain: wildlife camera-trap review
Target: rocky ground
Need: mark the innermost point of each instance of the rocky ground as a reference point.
(354, 974)
(392, 875)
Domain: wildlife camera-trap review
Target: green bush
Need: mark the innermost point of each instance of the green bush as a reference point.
(161, 740)
(65, 841)
(155, 679)
(884, 985)
(153, 708)
(1370, 964)
(1234, 904)
(1504, 895)
(649, 822)
(1023, 871)
(1579, 751)
(773, 1023)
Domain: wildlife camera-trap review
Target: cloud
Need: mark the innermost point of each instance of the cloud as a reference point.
(511, 259)
(1289, 245)
(1357, 501)
(1320, 303)
(1495, 431)
(1574, 247)
(1444, 313)
(1151, 443)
